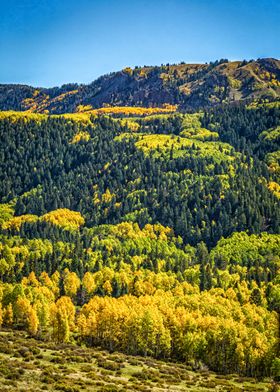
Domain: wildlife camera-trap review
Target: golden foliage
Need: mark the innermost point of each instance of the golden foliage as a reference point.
(33, 322)
(8, 315)
(107, 196)
(82, 135)
(41, 101)
(128, 71)
(89, 282)
(157, 323)
(274, 187)
(85, 114)
(71, 283)
(16, 222)
(6, 212)
(65, 218)
(142, 73)
(83, 108)
(62, 217)
(107, 287)
(78, 118)
(133, 126)
(134, 110)
(62, 315)
(15, 117)
(199, 134)
(273, 161)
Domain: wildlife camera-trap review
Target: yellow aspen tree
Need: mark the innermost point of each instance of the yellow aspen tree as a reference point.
(32, 322)
(63, 326)
(107, 287)
(82, 324)
(46, 280)
(62, 319)
(42, 308)
(1, 309)
(32, 280)
(8, 315)
(21, 310)
(89, 283)
(55, 278)
(1, 315)
(71, 283)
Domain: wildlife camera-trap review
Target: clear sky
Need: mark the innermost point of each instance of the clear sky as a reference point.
(51, 42)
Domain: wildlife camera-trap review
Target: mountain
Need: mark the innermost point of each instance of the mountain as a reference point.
(190, 86)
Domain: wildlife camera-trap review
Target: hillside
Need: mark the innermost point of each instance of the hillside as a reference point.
(190, 86)
(146, 232)
(41, 366)
(183, 171)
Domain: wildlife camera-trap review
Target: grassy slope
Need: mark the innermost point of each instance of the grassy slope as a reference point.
(27, 364)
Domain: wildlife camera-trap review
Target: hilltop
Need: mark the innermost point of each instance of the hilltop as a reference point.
(190, 86)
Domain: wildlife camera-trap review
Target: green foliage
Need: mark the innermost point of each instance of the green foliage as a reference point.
(6, 212)
(272, 134)
(176, 147)
(273, 161)
(145, 233)
(192, 129)
(275, 369)
(246, 250)
(154, 173)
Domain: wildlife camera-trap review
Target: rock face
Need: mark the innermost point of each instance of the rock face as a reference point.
(190, 86)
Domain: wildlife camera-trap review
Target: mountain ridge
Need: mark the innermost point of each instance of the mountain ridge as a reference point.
(190, 86)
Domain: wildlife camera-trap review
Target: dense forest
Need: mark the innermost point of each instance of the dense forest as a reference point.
(148, 231)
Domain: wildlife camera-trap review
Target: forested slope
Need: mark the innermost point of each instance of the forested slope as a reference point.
(150, 232)
(165, 168)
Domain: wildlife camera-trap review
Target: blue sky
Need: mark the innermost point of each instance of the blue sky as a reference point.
(51, 42)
